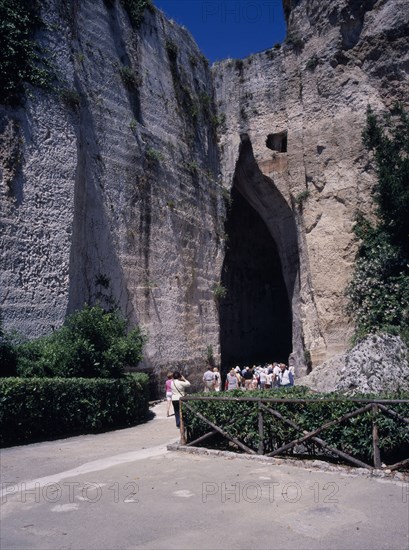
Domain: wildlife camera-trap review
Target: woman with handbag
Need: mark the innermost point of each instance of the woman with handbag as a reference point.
(179, 385)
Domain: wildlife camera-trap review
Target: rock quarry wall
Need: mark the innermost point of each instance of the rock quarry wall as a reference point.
(292, 144)
(120, 185)
(116, 193)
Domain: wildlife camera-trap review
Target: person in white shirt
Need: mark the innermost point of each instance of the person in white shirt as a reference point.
(276, 375)
(263, 378)
(217, 379)
(286, 377)
(179, 385)
(209, 380)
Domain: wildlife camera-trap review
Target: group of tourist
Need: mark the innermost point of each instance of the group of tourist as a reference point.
(275, 375)
(271, 376)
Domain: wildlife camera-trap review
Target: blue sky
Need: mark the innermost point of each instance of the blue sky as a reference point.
(229, 28)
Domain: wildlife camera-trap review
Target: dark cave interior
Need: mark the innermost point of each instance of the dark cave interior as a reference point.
(255, 315)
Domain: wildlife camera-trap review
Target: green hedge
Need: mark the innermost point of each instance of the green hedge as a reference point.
(354, 436)
(35, 409)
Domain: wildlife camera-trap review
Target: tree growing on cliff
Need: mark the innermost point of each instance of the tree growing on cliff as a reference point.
(379, 291)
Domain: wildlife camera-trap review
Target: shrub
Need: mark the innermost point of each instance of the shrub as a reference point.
(219, 291)
(91, 343)
(295, 40)
(128, 76)
(154, 155)
(192, 166)
(302, 197)
(312, 63)
(43, 408)
(354, 436)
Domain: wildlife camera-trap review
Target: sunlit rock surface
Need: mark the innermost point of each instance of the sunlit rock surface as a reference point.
(124, 185)
(378, 364)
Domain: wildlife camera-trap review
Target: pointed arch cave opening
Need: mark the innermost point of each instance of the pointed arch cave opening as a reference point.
(255, 315)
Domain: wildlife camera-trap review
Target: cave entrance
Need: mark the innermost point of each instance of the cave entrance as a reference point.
(255, 315)
(260, 315)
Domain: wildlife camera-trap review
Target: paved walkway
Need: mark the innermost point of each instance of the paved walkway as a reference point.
(124, 490)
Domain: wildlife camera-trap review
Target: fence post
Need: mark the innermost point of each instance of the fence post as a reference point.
(260, 429)
(375, 438)
(182, 426)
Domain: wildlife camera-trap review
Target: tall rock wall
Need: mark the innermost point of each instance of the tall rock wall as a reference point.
(116, 195)
(114, 185)
(292, 146)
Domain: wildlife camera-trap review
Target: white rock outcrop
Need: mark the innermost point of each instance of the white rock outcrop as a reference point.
(376, 365)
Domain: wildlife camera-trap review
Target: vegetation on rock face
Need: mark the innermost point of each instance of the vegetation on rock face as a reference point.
(388, 138)
(219, 292)
(21, 59)
(92, 343)
(379, 292)
(136, 9)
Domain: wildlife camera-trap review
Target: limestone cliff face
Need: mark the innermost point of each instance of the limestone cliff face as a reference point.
(116, 186)
(116, 193)
(292, 146)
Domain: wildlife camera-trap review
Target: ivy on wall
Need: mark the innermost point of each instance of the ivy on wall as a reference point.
(21, 59)
(379, 291)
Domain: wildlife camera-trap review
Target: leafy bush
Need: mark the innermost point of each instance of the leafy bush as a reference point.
(219, 291)
(295, 40)
(91, 343)
(128, 76)
(379, 291)
(354, 436)
(302, 197)
(43, 408)
(154, 155)
(312, 63)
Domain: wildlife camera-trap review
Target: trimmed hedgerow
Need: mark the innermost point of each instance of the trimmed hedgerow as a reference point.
(42, 408)
(354, 436)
